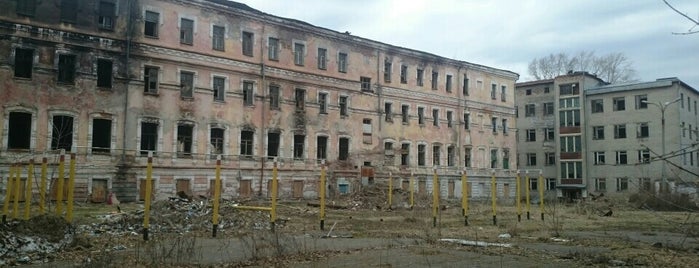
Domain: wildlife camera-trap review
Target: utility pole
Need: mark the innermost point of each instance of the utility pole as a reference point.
(662, 107)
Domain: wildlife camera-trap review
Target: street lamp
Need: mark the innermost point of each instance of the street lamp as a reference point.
(662, 107)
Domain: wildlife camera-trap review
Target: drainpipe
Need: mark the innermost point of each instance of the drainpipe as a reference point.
(262, 111)
(126, 91)
(461, 107)
(378, 88)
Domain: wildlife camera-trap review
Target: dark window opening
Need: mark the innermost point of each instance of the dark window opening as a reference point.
(20, 130)
(464, 88)
(299, 143)
(106, 15)
(366, 83)
(451, 157)
(323, 103)
(186, 84)
(300, 99)
(246, 142)
(62, 132)
(66, 68)
(467, 157)
(104, 73)
(101, 135)
(343, 106)
(24, 62)
(218, 36)
(421, 115)
(186, 31)
(404, 113)
(421, 155)
(272, 144)
(420, 73)
(388, 111)
(448, 83)
(184, 140)
(343, 149)
(26, 7)
(247, 43)
(149, 137)
(405, 154)
(150, 80)
(219, 88)
(217, 140)
(435, 80)
(403, 74)
(247, 93)
(151, 24)
(69, 11)
(274, 97)
(322, 147)
(387, 66)
(436, 155)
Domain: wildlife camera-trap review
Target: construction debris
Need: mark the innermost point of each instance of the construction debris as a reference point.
(475, 243)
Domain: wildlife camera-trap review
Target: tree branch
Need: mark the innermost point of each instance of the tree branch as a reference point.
(696, 23)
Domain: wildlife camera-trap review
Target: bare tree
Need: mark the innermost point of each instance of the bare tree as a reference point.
(695, 22)
(613, 67)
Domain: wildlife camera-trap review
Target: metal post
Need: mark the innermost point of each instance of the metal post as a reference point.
(464, 196)
(541, 194)
(149, 189)
(435, 197)
(527, 193)
(412, 190)
(390, 190)
(322, 195)
(217, 195)
(8, 193)
(519, 194)
(59, 190)
(493, 196)
(42, 187)
(71, 188)
(28, 190)
(16, 184)
(273, 212)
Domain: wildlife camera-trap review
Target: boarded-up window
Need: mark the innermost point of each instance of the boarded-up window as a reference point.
(142, 190)
(245, 188)
(297, 189)
(183, 185)
(450, 189)
(422, 187)
(99, 191)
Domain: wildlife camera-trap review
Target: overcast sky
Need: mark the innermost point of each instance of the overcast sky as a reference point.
(508, 34)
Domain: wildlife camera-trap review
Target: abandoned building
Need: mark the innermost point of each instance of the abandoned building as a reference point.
(587, 136)
(189, 81)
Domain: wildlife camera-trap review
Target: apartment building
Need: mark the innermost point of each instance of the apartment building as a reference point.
(586, 136)
(190, 81)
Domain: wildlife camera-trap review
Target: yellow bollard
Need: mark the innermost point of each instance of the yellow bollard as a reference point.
(435, 197)
(273, 212)
(519, 197)
(217, 195)
(541, 194)
(16, 184)
(42, 187)
(8, 194)
(412, 190)
(493, 196)
(526, 192)
(71, 188)
(322, 195)
(390, 190)
(146, 210)
(28, 193)
(59, 190)
(464, 196)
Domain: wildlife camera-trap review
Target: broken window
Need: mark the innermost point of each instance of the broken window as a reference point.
(299, 144)
(323, 103)
(388, 111)
(467, 121)
(247, 43)
(272, 144)
(493, 158)
(217, 38)
(503, 93)
(387, 66)
(451, 156)
(274, 97)
(421, 115)
(66, 68)
(186, 84)
(435, 117)
(343, 149)
(404, 113)
(388, 153)
(186, 31)
(104, 73)
(405, 154)
(24, 62)
(150, 80)
(106, 15)
(467, 157)
(246, 142)
(184, 139)
(299, 51)
(247, 93)
(404, 74)
(366, 83)
(342, 62)
(217, 140)
(450, 117)
(69, 11)
(420, 73)
(448, 83)
(435, 80)
(300, 99)
(62, 132)
(322, 58)
(464, 87)
(101, 135)
(421, 155)
(493, 91)
(26, 7)
(219, 88)
(436, 155)
(366, 130)
(149, 136)
(20, 131)
(343, 106)
(151, 24)
(273, 49)
(321, 147)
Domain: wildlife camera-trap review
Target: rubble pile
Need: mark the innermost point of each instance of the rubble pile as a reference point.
(36, 240)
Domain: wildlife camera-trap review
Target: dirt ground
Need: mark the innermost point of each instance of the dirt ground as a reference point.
(360, 233)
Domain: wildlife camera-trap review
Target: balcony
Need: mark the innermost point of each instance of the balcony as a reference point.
(569, 130)
(567, 156)
(571, 181)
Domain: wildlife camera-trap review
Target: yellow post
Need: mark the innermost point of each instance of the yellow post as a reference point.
(435, 197)
(217, 194)
(464, 196)
(71, 188)
(526, 192)
(42, 187)
(412, 190)
(519, 196)
(16, 184)
(275, 186)
(8, 194)
(146, 210)
(59, 188)
(322, 195)
(28, 192)
(493, 197)
(541, 194)
(390, 190)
